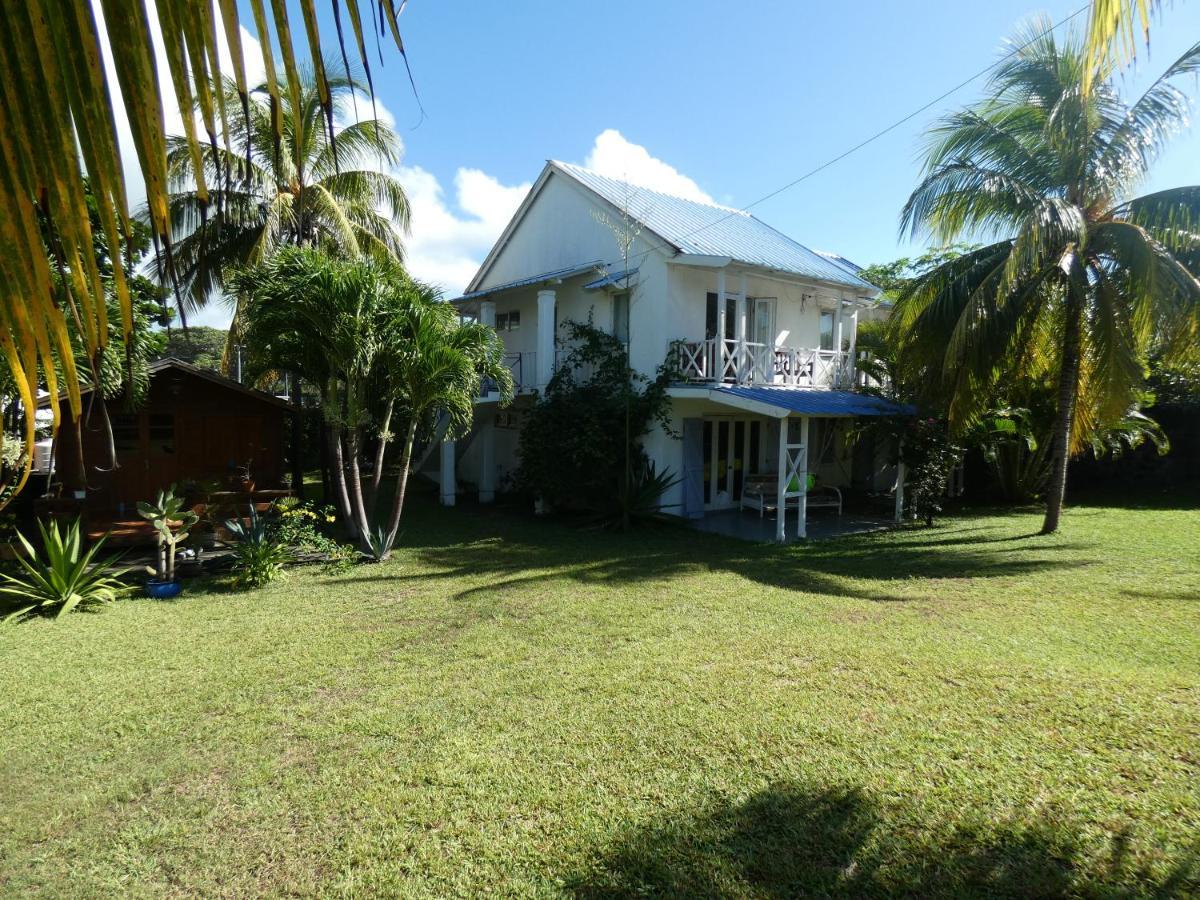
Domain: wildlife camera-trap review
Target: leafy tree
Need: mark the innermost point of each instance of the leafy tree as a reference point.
(314, 190)
(571, 454)
(433, 369)
(366, 334)
(1080, 280)
(199, 345)
(893, 277)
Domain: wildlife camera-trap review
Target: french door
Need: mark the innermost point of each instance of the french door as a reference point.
(731, 451)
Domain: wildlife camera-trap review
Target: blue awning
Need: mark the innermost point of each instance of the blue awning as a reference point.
(815, 402)
(554, 275)
(612, 278)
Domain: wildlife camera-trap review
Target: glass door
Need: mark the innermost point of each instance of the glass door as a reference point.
(731, 452)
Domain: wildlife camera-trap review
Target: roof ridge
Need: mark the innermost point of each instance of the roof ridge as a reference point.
(717, 206)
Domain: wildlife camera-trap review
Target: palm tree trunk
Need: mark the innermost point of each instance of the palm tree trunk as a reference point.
(1068, 385)
(338, 471)
(380, 453)
(402, 482)
(356, 491)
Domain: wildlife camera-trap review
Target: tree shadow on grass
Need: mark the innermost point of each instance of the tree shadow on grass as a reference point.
(505, 551)
(787, 841)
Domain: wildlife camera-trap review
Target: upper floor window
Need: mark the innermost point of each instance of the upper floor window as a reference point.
(712, 317)
(621, 317)
(826, 330)
(509, 321)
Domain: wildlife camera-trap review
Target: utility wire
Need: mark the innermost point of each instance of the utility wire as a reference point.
(874, 137)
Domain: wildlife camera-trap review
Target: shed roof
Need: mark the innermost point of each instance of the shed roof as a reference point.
(170, 362)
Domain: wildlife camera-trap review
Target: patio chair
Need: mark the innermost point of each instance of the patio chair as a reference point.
(761, 492)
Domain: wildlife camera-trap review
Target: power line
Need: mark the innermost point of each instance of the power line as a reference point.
(878, 134)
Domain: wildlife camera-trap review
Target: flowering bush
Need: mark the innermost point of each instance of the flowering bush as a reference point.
(304, 527)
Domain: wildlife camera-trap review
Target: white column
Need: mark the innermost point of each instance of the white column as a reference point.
(487, 460)
(487, 313)
(545, 338)
(745, 369)
(802, 477)
(900, 492)
(853, 361)
(449, 483)
(720, 305)
(837, 325)
(781, 490)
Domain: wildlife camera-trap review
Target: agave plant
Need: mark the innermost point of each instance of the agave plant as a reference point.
(260, 558)
(65, 578)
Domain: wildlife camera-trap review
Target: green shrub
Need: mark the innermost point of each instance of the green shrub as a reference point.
(303, 527)
(64, 578)
(259, 557)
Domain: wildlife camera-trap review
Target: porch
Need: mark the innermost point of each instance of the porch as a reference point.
(776, 463)
(744, 525)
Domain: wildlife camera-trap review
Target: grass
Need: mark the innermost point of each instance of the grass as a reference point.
(510, 708)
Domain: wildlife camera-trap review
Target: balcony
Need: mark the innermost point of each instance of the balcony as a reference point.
(743, 362)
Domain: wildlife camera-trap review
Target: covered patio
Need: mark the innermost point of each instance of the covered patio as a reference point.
(743, 526)
(783, 501)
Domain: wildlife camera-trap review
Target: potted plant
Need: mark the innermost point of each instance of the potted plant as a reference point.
(246, 477)
(166, 512)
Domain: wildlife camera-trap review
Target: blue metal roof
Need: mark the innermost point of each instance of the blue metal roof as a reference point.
(817, 402)
(611, 278)
(710, 230)
(598, 265)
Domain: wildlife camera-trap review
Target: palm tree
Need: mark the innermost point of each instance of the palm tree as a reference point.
(433, 369)
(58, 125)
(320, 317)
(366, 334)
(1080, 279)
(315, 189)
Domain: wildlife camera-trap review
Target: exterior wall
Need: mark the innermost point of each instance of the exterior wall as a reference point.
(668, 303)
(189, 429)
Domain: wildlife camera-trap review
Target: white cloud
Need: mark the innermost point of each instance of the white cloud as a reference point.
(447, 244)
(617, 157)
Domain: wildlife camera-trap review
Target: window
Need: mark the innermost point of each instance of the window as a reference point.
(126, 437)
(162, 433)
(509, 321)
(710, 317)
(621, 317)
(826, 330)
(764, 321)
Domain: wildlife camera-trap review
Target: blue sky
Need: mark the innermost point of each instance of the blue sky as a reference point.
(739, 98)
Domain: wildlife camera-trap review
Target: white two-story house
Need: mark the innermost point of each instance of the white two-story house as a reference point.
(765, 330)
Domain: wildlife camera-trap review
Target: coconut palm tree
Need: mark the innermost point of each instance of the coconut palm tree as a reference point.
(1079, 278)
(315, 189)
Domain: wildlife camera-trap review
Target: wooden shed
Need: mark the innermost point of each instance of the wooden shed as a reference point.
(194, 426)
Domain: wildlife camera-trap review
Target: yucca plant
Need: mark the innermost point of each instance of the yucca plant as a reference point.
(65, 577)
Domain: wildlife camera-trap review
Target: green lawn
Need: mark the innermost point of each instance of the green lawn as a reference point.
(512, 708)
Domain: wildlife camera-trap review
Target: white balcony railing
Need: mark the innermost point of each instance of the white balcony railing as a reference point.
(523, 367)
(744, 362)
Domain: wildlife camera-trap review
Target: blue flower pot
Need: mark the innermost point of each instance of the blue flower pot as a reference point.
(163, 590)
